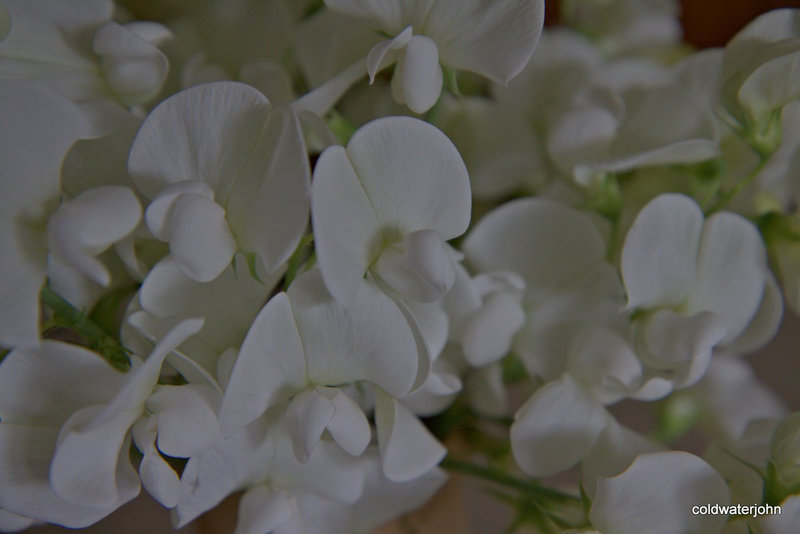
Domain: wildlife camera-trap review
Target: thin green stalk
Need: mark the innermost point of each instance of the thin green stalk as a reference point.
(99, 340)
(736, 189)
(499, 477)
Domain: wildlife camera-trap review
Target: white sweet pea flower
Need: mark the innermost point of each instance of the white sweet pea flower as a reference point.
(304, 347)
(385, 205)
(485, 312)
(695, 283)
(64, 432)
(224, 172)
(259, 459)
(656, 494)
(78, 51)
(228, 304)
(565, 421)
(492, 38)
(759, 76)
(37, 129)
(182, 423)
(560, 254)
(605, 131)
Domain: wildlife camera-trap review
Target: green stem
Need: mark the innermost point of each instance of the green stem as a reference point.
(736, 189)
(75, 319)
(499, 477)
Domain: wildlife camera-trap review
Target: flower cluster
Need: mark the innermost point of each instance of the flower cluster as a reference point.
(294, 250)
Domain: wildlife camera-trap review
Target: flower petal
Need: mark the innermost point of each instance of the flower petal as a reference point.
(90, 223)
(421, 74)
(346, 226)
(731, 272)
(271, 191)
(306, 418)
(413, 176)
(391, 15)
(556, 428)
(659, 256)
(489, 332)
(37, 129)
(199, 237)
(495, 39)
(158, 478)
(269, 368)
(74, 377)
(263, 509)
(25, 456)
(88, 457)
(134, 68)
(348, 426)
(187, 420)
(204, 133)
(548, 244)
(408, 449)
(656, 494)
(419, 268)
(370, 341)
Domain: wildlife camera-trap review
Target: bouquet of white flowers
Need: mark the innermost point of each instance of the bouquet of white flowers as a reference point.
(294, 250)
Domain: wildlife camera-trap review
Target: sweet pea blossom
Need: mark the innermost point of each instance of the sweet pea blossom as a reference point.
(64, 432)
(318, 346)
(116, 67)
(759, 77)
(385, 205)
(700, 288)
(220, 167)
(38, 128)
(494, 39)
